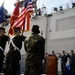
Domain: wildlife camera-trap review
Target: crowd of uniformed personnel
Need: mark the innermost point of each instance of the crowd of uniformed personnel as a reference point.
(65, 57)
(34, 47)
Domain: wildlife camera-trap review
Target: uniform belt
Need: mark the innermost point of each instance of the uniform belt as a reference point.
(1, 48)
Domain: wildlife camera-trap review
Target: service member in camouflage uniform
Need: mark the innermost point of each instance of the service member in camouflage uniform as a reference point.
(13, 57)
(3, 39)
(34, 47)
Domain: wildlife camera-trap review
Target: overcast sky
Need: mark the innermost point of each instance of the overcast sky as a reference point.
(9, 4)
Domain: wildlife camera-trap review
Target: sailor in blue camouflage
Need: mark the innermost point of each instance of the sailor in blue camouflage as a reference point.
(34, 47)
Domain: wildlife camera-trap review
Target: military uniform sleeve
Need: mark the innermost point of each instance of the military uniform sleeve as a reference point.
(25, 44)
(23, 37)
(59, 56)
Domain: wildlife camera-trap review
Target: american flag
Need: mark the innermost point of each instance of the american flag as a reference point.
(24, 16)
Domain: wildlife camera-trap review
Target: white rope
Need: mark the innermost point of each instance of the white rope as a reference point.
(15, 47)
(1, 48)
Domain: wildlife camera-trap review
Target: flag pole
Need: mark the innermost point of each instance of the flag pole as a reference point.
(23, 27)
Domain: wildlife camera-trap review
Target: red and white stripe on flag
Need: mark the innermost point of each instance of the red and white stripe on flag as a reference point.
(27, 23)
(24, 16)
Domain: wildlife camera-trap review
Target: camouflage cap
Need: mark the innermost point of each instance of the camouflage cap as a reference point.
(1, 28)
(35, 29)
